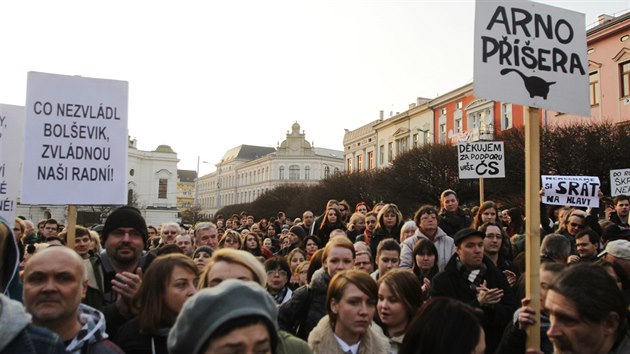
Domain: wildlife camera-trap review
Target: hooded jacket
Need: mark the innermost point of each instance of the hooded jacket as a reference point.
(11, 285)
(17, 335)
(92, 337)
(443, 242)
(322, 340)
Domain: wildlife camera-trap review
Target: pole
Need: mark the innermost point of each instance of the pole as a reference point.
(481, 190)
(532, 226)
(72, 226)
(197, 185)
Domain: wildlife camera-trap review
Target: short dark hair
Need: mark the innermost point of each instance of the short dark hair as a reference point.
(593, 292)
(276, 262)
(51, 221)
(425, 209)
(241, 322)
(620, 198)
(388, 244)
(593, 237)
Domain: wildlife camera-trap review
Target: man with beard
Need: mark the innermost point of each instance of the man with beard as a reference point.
(124, 237)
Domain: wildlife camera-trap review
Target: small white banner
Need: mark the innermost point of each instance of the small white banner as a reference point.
(620, 182)
(11, 149)
(76, 152)
(579, 191)
(482, 159)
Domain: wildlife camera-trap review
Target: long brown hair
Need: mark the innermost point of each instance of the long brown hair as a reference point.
(340, 281)
(149, 301)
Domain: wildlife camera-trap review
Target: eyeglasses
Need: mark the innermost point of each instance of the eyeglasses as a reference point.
(169, 232)
(281, 273)
(577, 226)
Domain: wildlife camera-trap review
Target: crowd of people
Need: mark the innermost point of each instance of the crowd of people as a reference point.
(355, 279)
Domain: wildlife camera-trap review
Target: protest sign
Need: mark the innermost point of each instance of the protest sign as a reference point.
(482, 159)
(531, 54)
(620, 182)
(578, 191)
(77, 140)
(11, 147)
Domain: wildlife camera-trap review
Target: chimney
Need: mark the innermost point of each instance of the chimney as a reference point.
(382, 114)
(601, 19)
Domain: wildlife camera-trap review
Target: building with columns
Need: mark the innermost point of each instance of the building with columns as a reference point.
(245, 172)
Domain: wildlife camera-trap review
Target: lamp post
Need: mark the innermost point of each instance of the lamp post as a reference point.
(196, 204)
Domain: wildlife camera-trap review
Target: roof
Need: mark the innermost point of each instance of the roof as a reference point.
(247, 152)
(164, 148)
(186, 175)
(609, 23)
(329, 153)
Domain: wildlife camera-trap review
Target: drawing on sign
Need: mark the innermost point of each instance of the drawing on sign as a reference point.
(536, 86)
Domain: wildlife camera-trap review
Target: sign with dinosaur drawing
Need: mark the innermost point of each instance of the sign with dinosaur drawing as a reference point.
(531, 54)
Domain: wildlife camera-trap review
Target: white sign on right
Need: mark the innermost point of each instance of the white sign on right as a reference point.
(531, 54)
(579, 191)
(481, 159)
(620, 182)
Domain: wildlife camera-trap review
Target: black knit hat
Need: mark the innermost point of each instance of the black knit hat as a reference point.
(125, 216)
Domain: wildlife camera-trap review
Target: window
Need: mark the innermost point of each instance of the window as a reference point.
(443, 133)
(625, 79)
(593, 90)
(381, 154)
(282, 172)
(359, 163)
(349, 165)
(371, 160)
(326, 171)
(506, 116)
(130, 197)
(401, 145)
(162, 188)
(390, 152)
(443, 111)
(458, 125)
(294, 172)
(307, 172)
(458, 105)
(415, 140)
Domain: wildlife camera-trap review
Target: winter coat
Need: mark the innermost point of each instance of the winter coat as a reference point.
(451, 283)
(381, 234)
(322, 340)
(306, 307)
(451, 222)
(18, 335)
(92, 338)
(289, 344)
(132, 341)
(443, 242)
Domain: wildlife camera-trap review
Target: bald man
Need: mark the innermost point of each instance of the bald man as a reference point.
(54, 284)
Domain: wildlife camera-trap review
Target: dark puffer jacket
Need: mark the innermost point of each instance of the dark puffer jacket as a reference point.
(307, 306)
(451, 222)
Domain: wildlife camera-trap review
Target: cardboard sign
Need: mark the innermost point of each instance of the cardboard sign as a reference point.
(11, 147)
(482, 159)
(76, 146)
(531, 54)
(620, 182)
(579, 191)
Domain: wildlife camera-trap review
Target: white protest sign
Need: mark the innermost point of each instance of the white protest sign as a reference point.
(620, 182)
(579, 191)
(11, 148)
(76, 151)
(482, 159)
(531, 54)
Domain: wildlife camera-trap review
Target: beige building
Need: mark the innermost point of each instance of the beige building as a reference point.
(185, 189)
(376, 144)
(246, 172)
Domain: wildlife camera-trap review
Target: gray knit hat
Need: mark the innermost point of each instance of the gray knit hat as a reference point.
(210, 308)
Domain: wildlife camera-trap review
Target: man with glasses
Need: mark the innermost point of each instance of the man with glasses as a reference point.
(492, 249)
(426, 219)
(124, 236)
(169, 233)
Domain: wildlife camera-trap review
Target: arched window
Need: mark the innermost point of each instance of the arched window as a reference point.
(326, 172)
(281, 172)
(294, 172)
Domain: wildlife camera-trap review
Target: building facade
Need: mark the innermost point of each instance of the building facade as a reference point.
(185, 189)
(608, 50)
(246, 172)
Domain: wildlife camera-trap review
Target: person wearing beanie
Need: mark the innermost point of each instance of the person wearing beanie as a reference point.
(124, 237)
(243, 316)
(296, 235)
(201, 256)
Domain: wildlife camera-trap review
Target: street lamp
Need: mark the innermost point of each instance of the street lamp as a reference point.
(197, 183)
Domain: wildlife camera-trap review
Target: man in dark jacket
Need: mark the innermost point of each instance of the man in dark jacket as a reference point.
(451, 218)
(474, 279)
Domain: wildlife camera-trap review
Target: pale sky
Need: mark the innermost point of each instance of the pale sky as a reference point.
(206, 76)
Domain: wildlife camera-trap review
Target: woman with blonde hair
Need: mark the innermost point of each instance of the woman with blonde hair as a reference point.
(389, 221)
(351, 304)
(230, 239)
(227, 263)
